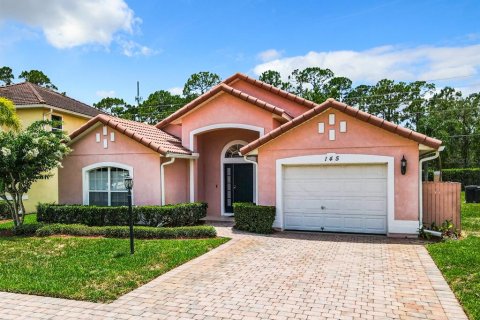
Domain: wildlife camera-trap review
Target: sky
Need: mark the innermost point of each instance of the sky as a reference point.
(96, 48)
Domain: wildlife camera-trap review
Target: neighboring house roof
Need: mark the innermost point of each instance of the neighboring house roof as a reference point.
(269, 87)
(148, 135)
(222, 87)
(361, 115)
(27, 93)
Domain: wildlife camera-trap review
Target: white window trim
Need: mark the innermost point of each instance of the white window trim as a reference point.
(98, 165)
(223, 161)
(260, 130)
(393, 226)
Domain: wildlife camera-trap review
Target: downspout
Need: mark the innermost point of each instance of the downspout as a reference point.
(420, 185)
(162, 177)
(256, 177)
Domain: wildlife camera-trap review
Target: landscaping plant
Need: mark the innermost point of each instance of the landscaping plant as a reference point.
(253, 218)
(25, 157)
(177, 215)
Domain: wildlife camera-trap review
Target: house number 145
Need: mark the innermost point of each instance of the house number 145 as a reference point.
(332, 158)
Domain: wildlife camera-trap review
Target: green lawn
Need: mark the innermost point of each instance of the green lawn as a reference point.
(459, 260)
(93, 269)
(470, 217)
(29, 218)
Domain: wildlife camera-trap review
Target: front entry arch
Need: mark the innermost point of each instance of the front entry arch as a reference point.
(237, 177)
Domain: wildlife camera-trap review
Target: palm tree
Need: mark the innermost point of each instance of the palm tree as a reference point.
(8, 116)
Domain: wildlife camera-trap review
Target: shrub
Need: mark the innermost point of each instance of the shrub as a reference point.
(468, 176)
(4, 212)
(27, 229)
(465, 176)
(124, 232)
(253, 218)
(69, 229)
(185, 214)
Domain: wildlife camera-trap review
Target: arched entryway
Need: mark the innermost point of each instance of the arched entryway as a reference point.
(237, 177)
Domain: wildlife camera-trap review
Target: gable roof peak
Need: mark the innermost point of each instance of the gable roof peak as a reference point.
(158, 140)
(351, 111)
(223, 87)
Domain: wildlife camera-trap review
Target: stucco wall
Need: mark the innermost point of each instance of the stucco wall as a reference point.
(360, 138)
(176, 181)
(294, 109)
(226, 109)
(145, 163)
(210, 147)
(46, 190)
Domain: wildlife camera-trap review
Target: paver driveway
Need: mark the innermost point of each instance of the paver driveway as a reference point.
(288, 275)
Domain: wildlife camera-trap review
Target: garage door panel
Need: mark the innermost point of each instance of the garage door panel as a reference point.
(339, 198)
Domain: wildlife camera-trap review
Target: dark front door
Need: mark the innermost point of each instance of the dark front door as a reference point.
(238, 178)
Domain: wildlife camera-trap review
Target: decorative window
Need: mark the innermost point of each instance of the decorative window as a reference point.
(234, 151)
(106, 187)
(57, 123)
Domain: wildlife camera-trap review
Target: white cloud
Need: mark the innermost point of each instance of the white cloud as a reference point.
(269, 55)
(176, 91)
(131, 48)
(393, 62)
(71, 23)
(105, 93)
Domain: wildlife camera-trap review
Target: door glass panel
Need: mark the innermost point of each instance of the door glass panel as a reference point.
(234, 151)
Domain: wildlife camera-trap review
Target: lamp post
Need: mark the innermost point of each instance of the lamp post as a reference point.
(128, 181)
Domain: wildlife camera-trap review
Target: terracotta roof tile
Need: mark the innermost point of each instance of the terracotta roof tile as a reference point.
(361, 115)
(27, 93)
(225, 88)
(148, 135)
(268, 87)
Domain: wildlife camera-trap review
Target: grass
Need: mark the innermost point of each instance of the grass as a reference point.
(97, 270)
(29, 218)
(459, 260)
(92, 269)
(470, 217)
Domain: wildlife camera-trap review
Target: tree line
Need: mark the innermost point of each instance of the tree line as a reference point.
(444, 113)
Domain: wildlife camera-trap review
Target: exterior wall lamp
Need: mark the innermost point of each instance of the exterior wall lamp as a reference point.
(128, 181)
(403, 165)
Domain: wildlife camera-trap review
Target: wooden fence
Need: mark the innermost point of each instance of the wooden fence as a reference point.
(441, 201)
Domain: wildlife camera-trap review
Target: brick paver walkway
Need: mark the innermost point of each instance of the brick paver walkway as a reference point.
(285, 276)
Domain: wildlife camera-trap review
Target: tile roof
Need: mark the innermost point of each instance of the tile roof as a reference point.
(269, 87)
(27, 93)
(361, 115)
(222, 87)
(148, 135)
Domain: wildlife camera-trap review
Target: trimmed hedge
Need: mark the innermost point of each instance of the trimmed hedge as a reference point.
(123, 232)
(185, 214)
(253, 218)
(465, 176)
(27, 229)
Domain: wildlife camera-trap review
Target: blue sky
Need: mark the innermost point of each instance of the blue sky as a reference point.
(94, 48)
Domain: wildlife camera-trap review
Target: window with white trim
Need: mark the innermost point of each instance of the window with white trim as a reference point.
(106, 187)
(57, 123)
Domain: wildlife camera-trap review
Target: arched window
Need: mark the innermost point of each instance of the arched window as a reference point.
(106, 186)
(234, 151)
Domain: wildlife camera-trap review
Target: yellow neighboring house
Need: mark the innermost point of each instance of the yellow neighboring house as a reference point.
(35, 103)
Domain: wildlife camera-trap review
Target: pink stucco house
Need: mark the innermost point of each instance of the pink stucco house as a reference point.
(326, 167)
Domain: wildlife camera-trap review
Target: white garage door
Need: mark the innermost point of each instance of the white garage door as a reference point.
(339, 198)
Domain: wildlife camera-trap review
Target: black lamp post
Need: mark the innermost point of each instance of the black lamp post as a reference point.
(403, 165)
(128, 181)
